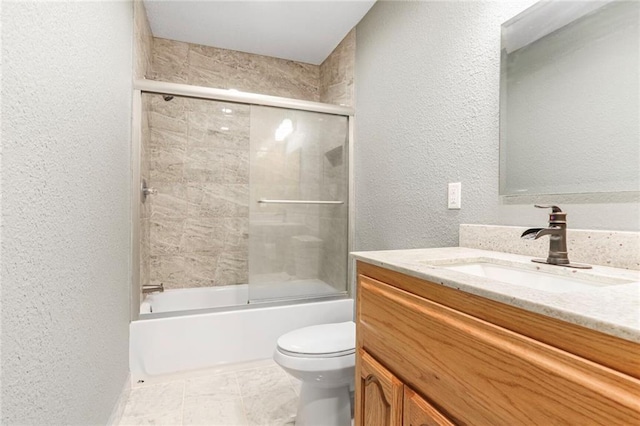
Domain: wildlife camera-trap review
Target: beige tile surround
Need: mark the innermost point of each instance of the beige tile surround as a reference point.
(337, 73)
(331, 82)
(198, 221)
(194, 232)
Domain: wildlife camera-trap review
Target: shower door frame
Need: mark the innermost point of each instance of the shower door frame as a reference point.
(141, 86)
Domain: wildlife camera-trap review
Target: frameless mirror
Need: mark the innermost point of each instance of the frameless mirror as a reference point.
(569, 99)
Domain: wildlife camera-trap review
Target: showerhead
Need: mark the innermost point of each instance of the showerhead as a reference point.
(167, 98)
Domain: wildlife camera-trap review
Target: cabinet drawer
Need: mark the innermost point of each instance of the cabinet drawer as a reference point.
(479, 373)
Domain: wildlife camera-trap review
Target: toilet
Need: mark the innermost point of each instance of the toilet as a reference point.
(323, 358)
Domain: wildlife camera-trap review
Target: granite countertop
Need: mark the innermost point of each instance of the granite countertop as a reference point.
(612, 308)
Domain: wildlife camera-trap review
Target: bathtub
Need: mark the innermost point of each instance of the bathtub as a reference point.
(171, 337)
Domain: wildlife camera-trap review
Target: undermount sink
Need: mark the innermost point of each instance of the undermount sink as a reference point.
(530, 278)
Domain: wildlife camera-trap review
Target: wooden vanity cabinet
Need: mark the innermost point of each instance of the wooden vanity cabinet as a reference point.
(426, 355)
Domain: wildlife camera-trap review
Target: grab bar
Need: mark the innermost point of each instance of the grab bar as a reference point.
(263, 201)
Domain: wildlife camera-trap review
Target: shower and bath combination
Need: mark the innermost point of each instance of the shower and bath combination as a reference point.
(246, 229)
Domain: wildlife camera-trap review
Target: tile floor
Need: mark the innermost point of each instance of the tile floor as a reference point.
(259, 393)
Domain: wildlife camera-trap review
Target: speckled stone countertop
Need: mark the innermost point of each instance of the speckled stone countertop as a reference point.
(612, 308)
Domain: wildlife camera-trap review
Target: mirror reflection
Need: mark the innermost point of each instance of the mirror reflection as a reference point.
(569, 113)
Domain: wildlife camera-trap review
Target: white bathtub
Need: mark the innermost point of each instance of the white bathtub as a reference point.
(178, 340)
(194, 298)
(187, 300)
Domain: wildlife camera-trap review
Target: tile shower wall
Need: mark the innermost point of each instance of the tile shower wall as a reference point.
(199, 163)
(332, 82)
(194, 233)
(336, 73)
(199, 65)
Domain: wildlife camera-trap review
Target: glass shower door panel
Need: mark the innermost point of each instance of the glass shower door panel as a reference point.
(298, 204)
(195, 153)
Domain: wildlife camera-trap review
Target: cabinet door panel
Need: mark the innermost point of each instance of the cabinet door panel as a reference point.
(482, 374)
(418, 412)
(378, 394)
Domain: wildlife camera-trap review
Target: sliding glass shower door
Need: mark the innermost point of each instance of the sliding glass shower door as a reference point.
(298, 204)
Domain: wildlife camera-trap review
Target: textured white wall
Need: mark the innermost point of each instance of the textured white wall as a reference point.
(571, 112)
(427, 97)
(66, 106)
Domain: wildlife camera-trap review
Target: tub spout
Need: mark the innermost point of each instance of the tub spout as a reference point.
(152, 288)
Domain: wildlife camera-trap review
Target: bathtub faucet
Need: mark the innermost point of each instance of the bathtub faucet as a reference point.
(152, 288)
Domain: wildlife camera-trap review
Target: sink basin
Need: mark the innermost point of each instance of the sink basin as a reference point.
(530, 278)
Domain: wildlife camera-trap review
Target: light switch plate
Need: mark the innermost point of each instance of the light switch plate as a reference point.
(455, 194)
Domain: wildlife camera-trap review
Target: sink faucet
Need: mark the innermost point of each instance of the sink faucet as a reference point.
(557, 232)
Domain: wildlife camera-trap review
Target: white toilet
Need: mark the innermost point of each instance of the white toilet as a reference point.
(323, 358)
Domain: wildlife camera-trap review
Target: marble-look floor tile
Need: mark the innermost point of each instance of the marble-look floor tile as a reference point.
(155, 400)
(217, 387)
(172, 418)
(297, 384)
(262, 381)
(277, 407)
(216, 397)
(201, 410)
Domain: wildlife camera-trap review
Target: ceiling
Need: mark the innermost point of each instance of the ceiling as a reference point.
(304, 31)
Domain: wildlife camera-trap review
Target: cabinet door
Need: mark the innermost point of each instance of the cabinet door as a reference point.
(378, 394)
(418, 412)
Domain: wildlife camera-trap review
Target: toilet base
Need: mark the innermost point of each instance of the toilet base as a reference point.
(324, 407)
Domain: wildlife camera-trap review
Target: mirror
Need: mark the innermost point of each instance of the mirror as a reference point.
(569, 99)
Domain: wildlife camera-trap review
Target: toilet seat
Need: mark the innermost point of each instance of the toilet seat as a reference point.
(320, 341)
(321, 355)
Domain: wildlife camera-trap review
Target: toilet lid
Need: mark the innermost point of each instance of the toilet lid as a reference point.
(328, 340)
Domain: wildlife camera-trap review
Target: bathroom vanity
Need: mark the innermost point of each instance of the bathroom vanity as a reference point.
(437, 345)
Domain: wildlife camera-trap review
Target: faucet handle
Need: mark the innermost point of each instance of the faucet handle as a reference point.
(555, 209)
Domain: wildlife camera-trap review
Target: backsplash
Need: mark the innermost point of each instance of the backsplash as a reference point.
(618, 249)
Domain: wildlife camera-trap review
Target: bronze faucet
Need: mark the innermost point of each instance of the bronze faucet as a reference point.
(557, 232)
